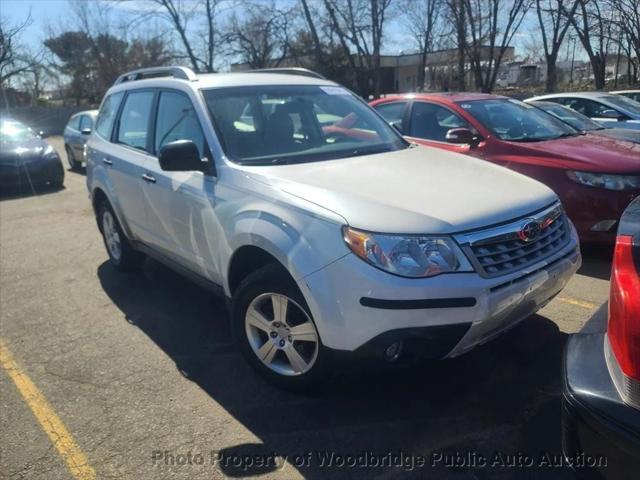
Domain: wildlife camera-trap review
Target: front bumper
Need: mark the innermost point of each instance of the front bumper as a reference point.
(20, 176)
(474, 309)
(588, 207)
(596, 423)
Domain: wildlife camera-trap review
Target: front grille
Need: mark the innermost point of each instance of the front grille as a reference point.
(501, 251)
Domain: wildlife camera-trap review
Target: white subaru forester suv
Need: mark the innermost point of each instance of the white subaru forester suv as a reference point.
(327, 230)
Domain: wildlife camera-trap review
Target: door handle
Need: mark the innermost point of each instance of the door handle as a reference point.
(148, 178)
(106, 161)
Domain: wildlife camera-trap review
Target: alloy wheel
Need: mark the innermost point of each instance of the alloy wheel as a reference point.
(111, 235)
(281, 334)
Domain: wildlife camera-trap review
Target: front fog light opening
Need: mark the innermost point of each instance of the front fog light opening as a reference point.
(393, 351)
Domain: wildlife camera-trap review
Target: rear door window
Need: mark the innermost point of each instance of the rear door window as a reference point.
(107, 115)
(134, 120)
(393, 113)
(586, 107)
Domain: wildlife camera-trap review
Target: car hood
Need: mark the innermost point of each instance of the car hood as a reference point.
(583, 152)
(10, 152)
(619, 134)
(415, 190)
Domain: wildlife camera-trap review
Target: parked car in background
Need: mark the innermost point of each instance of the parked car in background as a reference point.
(605, 108)
(584, 123)
(26, 160)
(632, 94)
(327, 243)
(76, 133)
(595, 177)
(601, 374)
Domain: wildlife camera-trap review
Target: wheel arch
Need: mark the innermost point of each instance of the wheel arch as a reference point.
(246, 260)
(300, 244)
(98, 196)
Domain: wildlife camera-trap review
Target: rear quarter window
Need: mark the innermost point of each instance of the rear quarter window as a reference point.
(134, 120)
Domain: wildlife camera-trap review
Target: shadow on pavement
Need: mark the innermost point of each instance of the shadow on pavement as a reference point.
(12, 194)
(596, 261)
(77, 171)
(502, 397)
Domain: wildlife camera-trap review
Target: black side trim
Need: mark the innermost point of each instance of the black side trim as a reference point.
(179, 269)
(426, 342)
(418, 304)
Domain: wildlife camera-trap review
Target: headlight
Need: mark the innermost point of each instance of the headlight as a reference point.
(606, 181)
(408, 255)
(49, 152)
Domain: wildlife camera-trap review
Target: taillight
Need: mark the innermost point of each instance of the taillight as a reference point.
(624, 319)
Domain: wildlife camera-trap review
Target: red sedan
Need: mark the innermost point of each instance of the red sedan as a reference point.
(595, 177)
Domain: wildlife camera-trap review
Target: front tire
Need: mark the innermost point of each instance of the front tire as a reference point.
(121, 254)
(276, 332)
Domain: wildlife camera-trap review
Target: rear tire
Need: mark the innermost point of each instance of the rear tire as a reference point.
(121, 254)
(276, 332)
(73, 164)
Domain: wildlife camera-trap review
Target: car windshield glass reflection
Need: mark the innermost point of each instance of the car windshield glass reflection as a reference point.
(629, 105)
(516, 121)
(15, 132)
(573, 118)
(268, 125)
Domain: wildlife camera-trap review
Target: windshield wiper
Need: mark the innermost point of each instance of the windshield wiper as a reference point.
(568, 134)
(528, 139)
(268, 162)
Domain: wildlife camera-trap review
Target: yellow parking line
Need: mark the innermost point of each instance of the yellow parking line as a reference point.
(49, 421)
(579, 303)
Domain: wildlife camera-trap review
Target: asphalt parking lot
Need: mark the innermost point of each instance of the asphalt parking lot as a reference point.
(140, 370)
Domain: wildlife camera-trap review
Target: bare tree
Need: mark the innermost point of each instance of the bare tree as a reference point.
(174, 12)
(359, 25)
(628, 19)
(458, 15)
(210, 16)
(95, 52)
(261, 35)
(592, 23)
(317, 44)
(195, 25)
(491, 25)
(14, 59)
(554, 19)
(422, 19)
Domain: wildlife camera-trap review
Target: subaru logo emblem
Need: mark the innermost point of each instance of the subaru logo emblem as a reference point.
(529, 231)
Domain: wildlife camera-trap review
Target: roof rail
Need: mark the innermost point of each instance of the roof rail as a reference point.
(182, 73)
(305, 72)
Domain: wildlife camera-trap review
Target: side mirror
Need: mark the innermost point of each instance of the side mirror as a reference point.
(611, 114)
(85, 131)
(462, 136)
(398, 126)
(43, 134)
(182, 156)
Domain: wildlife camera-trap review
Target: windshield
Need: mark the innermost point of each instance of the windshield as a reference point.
(629, 105)
(516, 121)
(11, 131)
(266, 125)
(567, 115)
